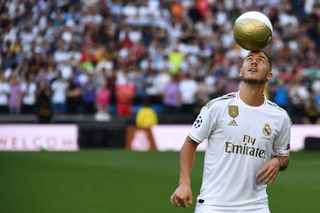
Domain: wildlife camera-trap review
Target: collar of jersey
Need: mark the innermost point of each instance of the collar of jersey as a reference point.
(248, 106)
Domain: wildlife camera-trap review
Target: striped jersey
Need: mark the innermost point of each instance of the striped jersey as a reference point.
(241, 139)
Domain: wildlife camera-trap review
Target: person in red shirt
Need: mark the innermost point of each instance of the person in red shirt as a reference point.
(125, 94)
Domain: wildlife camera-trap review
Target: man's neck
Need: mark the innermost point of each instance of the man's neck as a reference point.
(252, 94)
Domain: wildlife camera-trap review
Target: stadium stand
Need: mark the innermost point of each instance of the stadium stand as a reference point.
(55, 55)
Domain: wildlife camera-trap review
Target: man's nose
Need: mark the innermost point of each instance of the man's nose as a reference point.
(254, 61)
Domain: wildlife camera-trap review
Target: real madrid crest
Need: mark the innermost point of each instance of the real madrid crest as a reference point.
(233, 111)
(266, 129)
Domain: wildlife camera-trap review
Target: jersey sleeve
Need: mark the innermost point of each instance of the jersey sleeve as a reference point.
(203, 125)
(281, 146)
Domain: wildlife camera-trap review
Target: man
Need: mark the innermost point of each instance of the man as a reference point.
(248, 144)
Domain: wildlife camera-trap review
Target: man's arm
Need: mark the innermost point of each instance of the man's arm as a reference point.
(284, 162)
(183, 194)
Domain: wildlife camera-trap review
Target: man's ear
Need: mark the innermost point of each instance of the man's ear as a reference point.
(269, 76)
(240, 74)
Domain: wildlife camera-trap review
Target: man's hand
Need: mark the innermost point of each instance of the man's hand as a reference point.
(268, 173)
(182, 197)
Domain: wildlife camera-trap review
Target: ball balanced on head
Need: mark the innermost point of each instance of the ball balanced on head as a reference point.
(252, 30)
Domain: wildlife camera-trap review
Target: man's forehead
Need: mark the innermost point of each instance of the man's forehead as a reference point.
(260, 53)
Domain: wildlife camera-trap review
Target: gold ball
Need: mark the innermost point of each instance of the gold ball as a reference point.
(252, 34)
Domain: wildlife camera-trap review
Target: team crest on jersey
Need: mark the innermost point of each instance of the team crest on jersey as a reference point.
(197, 123)
(266, 129)
(233, 112)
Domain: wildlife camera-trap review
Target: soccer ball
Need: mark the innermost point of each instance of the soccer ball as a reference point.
(252, 30)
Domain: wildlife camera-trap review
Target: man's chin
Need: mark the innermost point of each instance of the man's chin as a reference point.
(253, 81)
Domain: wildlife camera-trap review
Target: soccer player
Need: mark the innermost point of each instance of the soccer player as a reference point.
(248, 144)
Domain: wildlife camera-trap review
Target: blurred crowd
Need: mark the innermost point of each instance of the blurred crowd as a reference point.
(109, 57)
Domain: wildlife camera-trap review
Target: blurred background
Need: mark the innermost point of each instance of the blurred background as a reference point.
(79, 74)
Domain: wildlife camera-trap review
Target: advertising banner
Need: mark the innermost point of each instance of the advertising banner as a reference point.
(172, 137)
(38, 137)
(300, 132)
(139, 139)
(160, 137)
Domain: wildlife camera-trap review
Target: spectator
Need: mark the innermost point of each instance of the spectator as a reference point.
(4, 93)
(88, 94)
(103, 97)
(312, 112)
(74, 99)
(29, 89)
(125, 93)
(188, 88)
(59, 88)
(299, 96)
(281, 96)
(171, 99)
(175, 58)
(15, 95)
(43, 102)
(202, 95)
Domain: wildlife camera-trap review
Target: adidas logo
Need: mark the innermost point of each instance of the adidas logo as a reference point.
(233, 123)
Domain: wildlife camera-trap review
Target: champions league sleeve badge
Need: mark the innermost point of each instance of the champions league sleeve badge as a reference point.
(197, 123)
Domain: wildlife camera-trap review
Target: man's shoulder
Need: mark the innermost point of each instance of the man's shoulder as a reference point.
(222, 100)
(275, 109)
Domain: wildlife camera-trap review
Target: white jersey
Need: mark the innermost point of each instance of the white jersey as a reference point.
(241, 139)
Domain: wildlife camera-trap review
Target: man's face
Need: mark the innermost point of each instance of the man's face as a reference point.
(256, 68)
